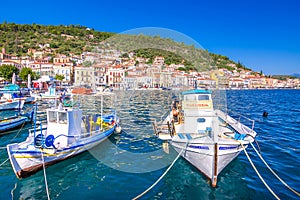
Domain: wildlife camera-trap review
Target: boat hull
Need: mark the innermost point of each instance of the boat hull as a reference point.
(11, 124)
(14, 105)
(210, 159)
(28, 161)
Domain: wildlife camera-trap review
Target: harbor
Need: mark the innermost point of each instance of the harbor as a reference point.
(126, 164)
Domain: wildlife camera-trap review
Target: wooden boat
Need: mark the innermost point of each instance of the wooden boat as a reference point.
(16, 97)
(12, 122)
(68, 133)
(82, 91)
(209, 138)
(11, 104)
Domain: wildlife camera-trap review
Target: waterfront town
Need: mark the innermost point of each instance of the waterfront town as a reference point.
(108, 68)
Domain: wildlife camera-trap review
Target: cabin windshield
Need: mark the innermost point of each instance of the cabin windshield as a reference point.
(52, 116)
(203, 97)
(190, 97)
(62, 117)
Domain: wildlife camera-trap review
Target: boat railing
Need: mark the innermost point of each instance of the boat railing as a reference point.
(164, 128)
(240, 117)
(33, 131)
(164, 116)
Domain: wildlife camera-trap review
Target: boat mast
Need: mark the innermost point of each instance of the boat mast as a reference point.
(101, 110)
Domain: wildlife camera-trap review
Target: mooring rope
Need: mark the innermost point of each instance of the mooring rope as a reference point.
(255, 169)
(15, 135)
(284, 183)
(156, 182)
(45, 177)
(4, 162)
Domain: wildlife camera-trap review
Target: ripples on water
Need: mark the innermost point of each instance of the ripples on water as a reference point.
(85, 177)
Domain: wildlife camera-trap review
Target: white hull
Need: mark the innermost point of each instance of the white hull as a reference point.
(12, 105)
(210, 159)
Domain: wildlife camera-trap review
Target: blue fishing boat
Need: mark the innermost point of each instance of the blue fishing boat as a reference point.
(15, 121)
(11, 123)
(67, 133)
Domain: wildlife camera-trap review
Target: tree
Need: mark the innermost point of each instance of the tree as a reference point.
(24, 74)
(261, 72)
(7, 71)
(59, 77)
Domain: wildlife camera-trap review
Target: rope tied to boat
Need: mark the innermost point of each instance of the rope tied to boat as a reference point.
(257, 172)
(15, 135)
(4, 162)
(45, 176)
(284, 183)
(161, 177)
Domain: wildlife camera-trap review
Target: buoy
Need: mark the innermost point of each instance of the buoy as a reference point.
(265, 114)
(118, 129)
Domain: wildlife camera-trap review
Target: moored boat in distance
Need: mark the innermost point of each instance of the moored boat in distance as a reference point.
(208, 138)
(12, 122)
(68, 132)
(11, 104)
(16, 97)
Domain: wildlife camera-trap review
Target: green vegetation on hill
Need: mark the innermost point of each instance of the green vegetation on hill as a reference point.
(224, 62)
(149, 47)
(170, 57)
(18, 38)
(283, 77)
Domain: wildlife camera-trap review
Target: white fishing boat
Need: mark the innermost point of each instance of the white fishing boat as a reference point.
(68, 133)
(11, 104)
(208, 138)
(15, 97)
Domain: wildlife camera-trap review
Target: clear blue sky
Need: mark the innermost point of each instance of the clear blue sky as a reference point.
(263, 35)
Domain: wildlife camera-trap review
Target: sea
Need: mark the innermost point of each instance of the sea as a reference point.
(127, 164)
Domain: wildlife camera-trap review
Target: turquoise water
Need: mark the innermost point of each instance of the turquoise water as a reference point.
(127, 164)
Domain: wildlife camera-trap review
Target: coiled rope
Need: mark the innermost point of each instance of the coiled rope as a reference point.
(45, 177)
(284, 183)
(156, 182)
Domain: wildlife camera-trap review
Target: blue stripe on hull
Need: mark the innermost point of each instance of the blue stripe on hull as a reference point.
(98, 138)
(7, 126)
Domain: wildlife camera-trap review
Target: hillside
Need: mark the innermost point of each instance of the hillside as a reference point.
(17, 38)
(75, 39)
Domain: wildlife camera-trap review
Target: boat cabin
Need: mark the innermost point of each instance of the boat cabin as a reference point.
(63, 124)
(198, 111)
